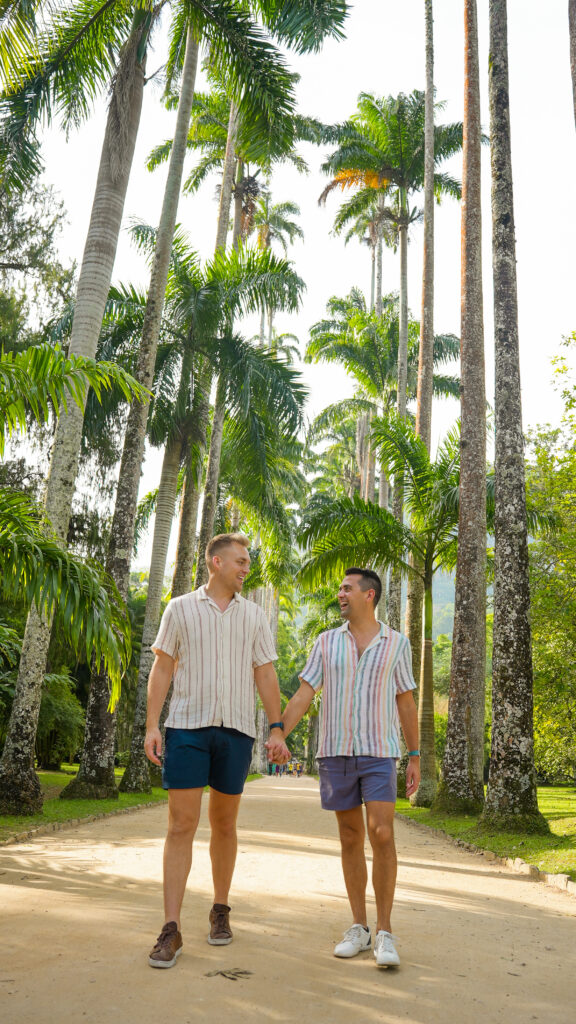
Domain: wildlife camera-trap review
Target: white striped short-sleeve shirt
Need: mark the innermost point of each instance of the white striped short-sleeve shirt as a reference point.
(358, 714)
(215, 653)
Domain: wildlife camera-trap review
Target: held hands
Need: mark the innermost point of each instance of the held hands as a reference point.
(412, 776)
(153, 746)
(278, 752)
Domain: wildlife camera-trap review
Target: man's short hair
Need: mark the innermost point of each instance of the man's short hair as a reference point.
(224, 540)
(370, 581)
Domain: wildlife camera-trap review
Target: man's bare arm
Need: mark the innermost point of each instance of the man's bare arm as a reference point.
(158, 686)
(267, 685)
(408, 715)
(297, 706)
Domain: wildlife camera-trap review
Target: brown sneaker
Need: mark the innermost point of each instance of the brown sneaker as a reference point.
(220, 930)
(168, 947)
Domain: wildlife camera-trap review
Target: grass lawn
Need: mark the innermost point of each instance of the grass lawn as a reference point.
(56, 810)
(555, 853)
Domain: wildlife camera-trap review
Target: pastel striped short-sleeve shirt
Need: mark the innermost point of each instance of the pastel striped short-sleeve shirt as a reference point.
(358, 714)
(215, 653)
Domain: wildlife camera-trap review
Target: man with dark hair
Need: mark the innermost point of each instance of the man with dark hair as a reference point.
(365, 671)
(216, 646)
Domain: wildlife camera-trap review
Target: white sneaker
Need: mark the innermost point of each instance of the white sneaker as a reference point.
(385, 950)
(356, 940)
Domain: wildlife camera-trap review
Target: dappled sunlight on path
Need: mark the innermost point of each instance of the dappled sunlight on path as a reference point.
(82, 907)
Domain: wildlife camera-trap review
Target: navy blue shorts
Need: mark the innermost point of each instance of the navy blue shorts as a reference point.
(214, 756)
(347, 782)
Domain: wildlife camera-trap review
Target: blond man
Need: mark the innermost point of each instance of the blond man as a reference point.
(216, 647)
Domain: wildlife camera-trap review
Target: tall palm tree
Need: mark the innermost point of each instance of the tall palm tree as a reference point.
(425, 369)
(511, 798)
(38, 383)
(200, 303)
(382, 147)
(462, 783)
(231, 283)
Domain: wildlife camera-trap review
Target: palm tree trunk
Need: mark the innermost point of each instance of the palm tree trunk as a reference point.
(372, 275)
(427, 789)
(377, 304)
(137, 777)
(426, 354)
(462, 785)
(211, 488)
(238, 203)
(262, 334)
(227, 178)
(511, 799)
(413, 619)
(186, 546)
(403, 312)
(19, 783)
(395, 587)
(572, 30)
(97, 766)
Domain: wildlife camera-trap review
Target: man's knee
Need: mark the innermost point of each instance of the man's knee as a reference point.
(352, 833)
(380, 833)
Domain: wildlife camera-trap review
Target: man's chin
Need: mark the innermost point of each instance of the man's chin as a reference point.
(344, 612)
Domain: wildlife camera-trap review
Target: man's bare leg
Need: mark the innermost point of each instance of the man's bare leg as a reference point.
(380, 820)
(352, 834)
(223, 813)
(183, 816)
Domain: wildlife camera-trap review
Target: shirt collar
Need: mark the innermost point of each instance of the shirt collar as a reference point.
(203, 596)
(345, 628)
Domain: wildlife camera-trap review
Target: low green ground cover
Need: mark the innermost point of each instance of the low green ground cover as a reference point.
(56, 810)
(554, 853)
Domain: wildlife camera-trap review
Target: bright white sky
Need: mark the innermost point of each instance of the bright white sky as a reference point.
(384, 53)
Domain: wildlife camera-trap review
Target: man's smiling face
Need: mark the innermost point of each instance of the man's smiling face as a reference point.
(232, 566)
(351, 597)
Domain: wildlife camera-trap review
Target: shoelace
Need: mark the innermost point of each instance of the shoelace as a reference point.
(355, 932)
(220, 923)
(387, 941)
(164, 938)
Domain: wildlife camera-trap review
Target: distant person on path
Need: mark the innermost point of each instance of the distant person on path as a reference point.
(365, 671)
(216, 645)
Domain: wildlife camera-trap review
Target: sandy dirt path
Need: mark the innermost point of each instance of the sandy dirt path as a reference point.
(80, 908)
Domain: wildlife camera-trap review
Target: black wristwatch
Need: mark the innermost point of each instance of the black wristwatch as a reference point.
(276, 725)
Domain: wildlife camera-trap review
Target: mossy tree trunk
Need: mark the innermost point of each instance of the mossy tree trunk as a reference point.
(428, 783)
(511, 799)
(461, 787)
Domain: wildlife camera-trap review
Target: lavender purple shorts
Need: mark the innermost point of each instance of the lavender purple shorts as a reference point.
(347, 782)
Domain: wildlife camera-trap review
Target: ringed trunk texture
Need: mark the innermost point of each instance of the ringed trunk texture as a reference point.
(572, 30)
(122, 533)
(227, 178)
(426, 354)
(462, 785)
(424, 795)
(211, 488)
(511, 800)
(395, 587)
(136, 778)
(17, 778)
(372, 275)
(377, 302)
(186, 547)
(413, 620)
